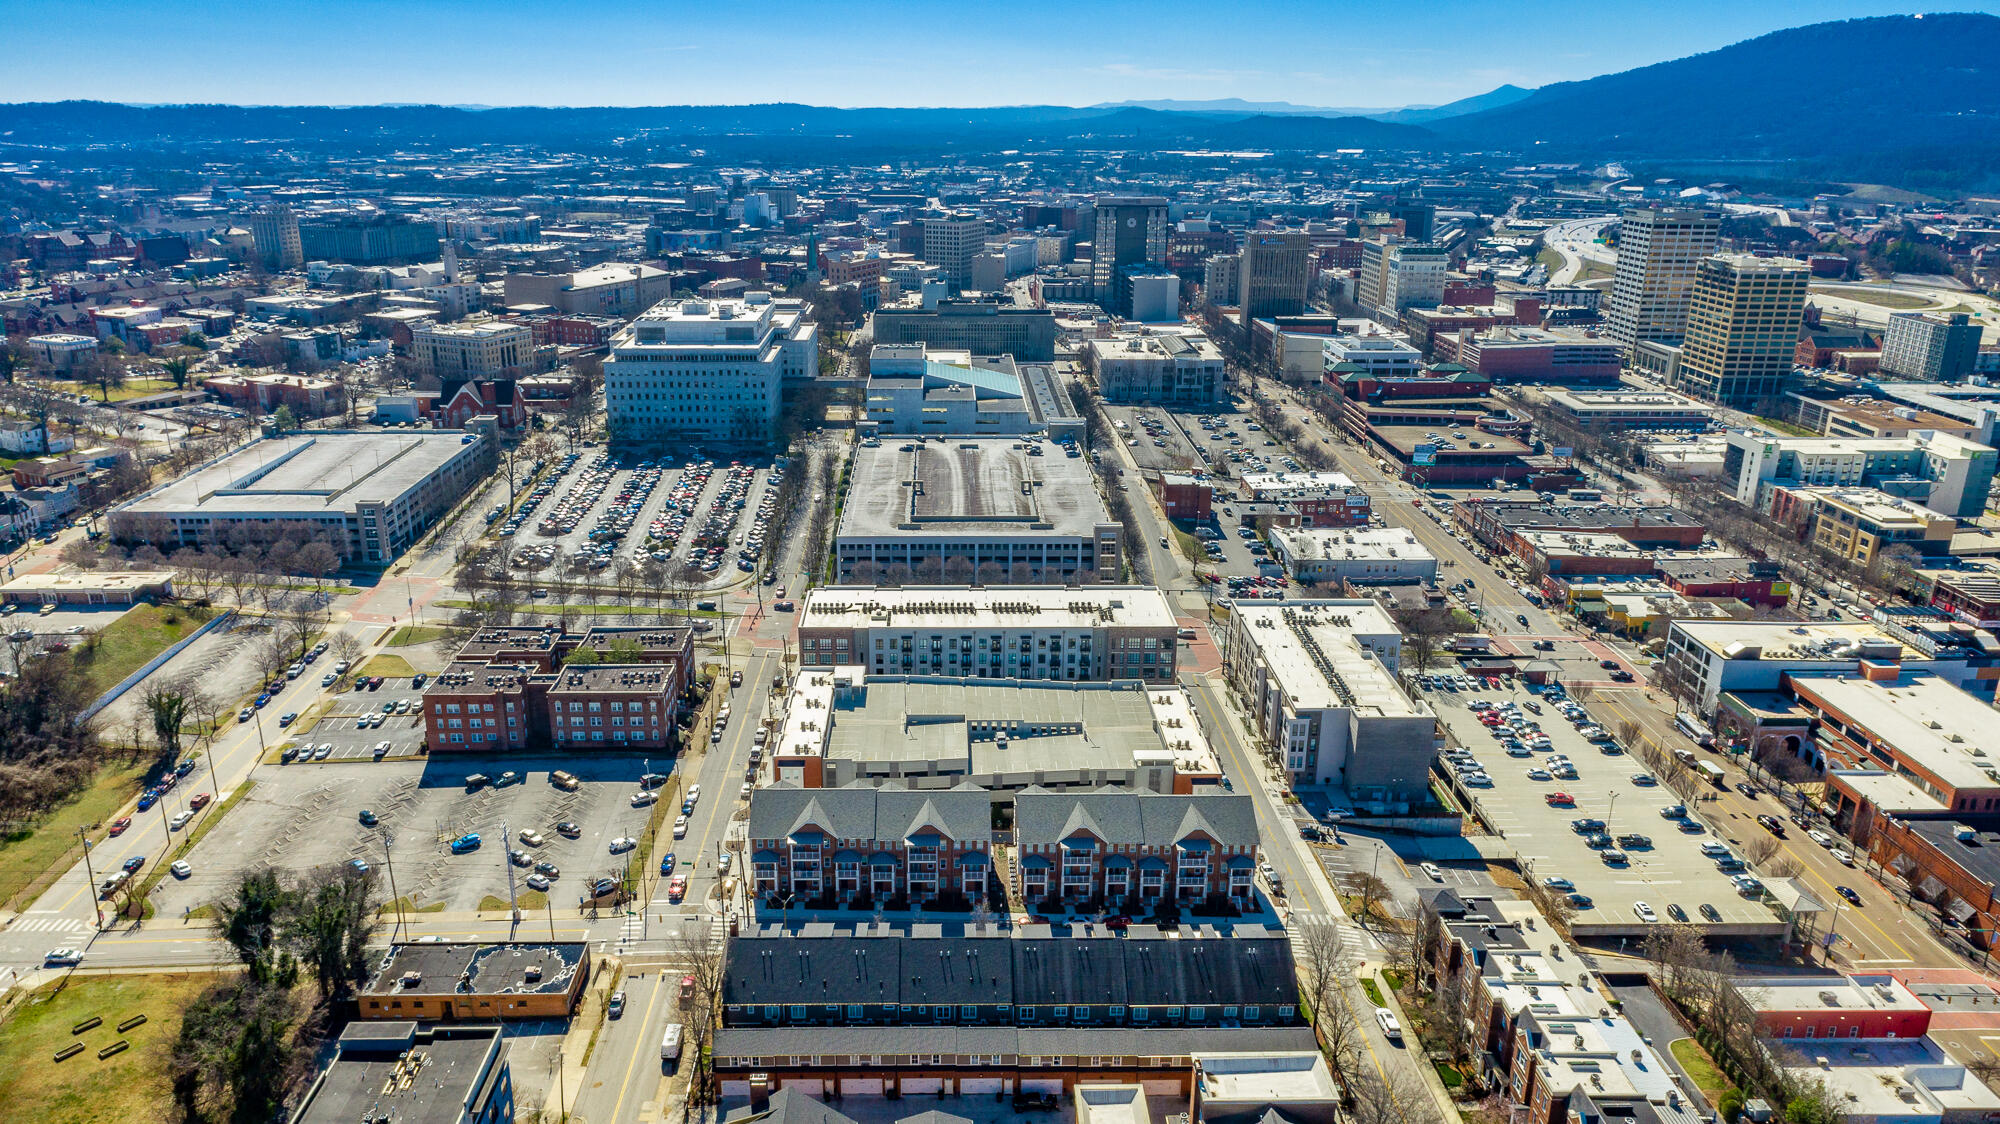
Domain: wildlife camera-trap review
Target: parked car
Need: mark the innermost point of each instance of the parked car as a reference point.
(1391, 1029)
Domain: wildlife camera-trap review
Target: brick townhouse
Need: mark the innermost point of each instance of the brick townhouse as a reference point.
(1134, 849)
(867, 845)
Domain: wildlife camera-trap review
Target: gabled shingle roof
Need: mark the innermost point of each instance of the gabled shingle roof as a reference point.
(1129, 817)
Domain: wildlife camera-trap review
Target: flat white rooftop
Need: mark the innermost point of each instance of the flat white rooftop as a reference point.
(970, 488)
(1925, 720)
(1358, 543)
(307, 474)
(1303, 642)
(1825, 993)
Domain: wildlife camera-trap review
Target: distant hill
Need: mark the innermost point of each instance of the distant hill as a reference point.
(1241, 108)
(1425, 114)
(1853, 88)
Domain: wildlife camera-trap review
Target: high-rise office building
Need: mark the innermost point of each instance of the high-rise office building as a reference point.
(1401, 275)
(1275, 274)
(1742, 328)
(275, 229)
(1935, 346)
(951, 242)
(1130, 231)
(1658, 251)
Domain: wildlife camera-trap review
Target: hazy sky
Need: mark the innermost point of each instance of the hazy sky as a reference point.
(872, 52)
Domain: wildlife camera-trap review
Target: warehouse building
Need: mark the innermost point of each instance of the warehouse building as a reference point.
(370, 495)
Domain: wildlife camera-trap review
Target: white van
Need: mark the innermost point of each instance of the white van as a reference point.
(670, 1045)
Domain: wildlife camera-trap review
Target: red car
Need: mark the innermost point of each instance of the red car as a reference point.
(677, 887)
(200, 801)
(119, 825)
(1117, 923)
(1561, 798)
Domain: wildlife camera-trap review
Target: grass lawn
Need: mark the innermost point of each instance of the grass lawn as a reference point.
(414, 634)
(130, 1085)
(133, 388)
(1701, 1068)
(128, 642)
(1394, 979)
(31, 855)
(390, 667)
(1450, 1075)
(1880, 298)
(1373, 992)
(389, 908)
(527, 900)
(1550, 258)
(1792, 428)
(1190, 546)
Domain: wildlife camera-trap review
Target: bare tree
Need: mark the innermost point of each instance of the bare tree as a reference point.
(1326, 976)
(1370, 891)
(702, 955)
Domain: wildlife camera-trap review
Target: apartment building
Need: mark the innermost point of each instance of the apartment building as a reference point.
(844, 726)
(1318, 499)
(1948, 474)
(707, 370)
(864, 847)
(1132, 851)
(951, 241)
(274, 232)
(508, 689)
(1859, 523)
(473, 350)
(1742, 328)
(1930, 346)
(882, 979)
(1098, 632)
(1319, 678)
(1160, 369)
(613, 706)
(1652, 291)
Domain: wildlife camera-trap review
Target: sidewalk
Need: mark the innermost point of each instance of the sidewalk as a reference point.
(1447, 1108)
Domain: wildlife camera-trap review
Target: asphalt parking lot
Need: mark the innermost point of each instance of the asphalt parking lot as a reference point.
(584, 497)
(64, 625)
(298, 818)
(1670, 870)
(338, 723)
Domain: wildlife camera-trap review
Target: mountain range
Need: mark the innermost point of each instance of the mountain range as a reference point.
(1891, 99)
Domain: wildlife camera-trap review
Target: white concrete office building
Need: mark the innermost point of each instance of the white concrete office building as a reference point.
(1361, 555)
(1658, 252)
(707, 370)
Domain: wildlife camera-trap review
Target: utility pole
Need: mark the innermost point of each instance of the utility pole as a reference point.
(389, 860)
(96, 908)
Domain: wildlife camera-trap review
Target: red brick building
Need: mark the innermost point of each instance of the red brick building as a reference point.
(847, 845)
(459, 400)
(1186, 497)
(519, 688)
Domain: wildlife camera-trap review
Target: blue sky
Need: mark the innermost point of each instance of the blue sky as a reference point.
(872, 52)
